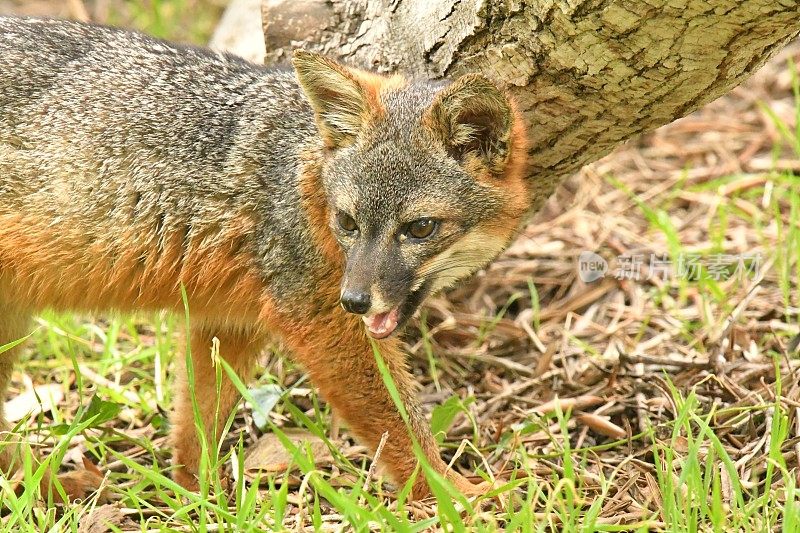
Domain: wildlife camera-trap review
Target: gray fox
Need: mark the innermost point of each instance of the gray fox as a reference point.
(319, 205)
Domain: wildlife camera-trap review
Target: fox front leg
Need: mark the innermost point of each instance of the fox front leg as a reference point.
(214, 402)
(339, 357)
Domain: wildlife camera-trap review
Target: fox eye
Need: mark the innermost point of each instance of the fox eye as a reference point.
(422, 228)
(346, 222)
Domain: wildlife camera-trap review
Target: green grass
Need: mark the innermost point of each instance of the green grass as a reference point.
(689, 480)
(191, 21)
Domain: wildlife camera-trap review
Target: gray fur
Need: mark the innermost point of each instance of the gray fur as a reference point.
(117, 127)
(139, 131)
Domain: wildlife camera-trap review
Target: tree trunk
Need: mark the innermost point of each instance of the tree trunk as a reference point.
(587, 74)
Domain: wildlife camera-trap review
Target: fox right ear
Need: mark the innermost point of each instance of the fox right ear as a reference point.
(341, 102)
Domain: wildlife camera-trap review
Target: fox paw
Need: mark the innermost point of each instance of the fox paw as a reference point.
(186, 479)
(79, 485)
(468, 488)
(464, 486)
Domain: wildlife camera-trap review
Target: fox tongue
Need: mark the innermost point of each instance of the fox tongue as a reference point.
(383, 324)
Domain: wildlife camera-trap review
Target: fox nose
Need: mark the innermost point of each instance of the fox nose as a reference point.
(356, 302)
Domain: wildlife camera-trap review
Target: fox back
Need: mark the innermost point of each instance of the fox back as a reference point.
(129, 165)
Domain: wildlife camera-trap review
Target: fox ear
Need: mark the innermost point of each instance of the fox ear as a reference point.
(474, 119)
(341, 103)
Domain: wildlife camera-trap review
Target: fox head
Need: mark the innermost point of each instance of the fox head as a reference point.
(424, 182)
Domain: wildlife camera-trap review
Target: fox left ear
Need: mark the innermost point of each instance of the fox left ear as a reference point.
(342, 102)
(474, 118)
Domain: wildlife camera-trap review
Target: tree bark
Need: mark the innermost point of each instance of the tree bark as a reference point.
(587, 74)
